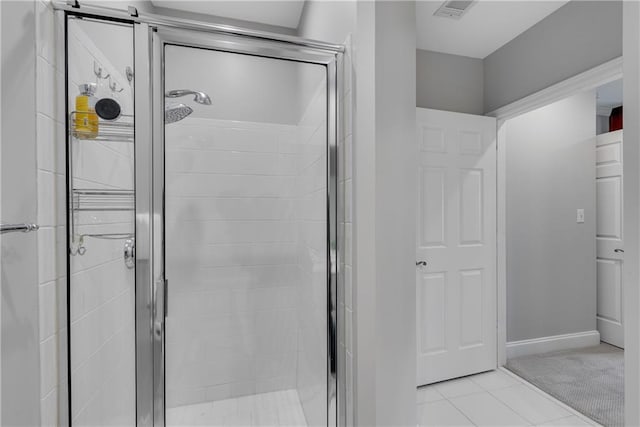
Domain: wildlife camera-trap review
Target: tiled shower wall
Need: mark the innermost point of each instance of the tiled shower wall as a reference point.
(51, 217)
(346, 303)
(102, 287)
(52, 238)
(231, 259)
(95, 279)
(311, 218)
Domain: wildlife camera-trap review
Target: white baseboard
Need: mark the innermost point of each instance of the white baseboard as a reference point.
(553, 343)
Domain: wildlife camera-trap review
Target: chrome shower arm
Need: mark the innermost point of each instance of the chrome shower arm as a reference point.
(177, 93)
(200, 97)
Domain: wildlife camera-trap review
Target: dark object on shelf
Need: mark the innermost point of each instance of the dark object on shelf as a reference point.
(615, 119)
(108, 109)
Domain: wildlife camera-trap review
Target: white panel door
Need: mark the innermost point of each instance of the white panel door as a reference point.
(609, 241)
(456, 290)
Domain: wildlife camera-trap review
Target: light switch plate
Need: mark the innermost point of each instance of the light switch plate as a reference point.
(580, 216)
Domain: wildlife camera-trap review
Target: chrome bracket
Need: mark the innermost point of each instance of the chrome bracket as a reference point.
(130, 253)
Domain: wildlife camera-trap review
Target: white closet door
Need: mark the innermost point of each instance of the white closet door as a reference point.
(456, 290)
(609, 237)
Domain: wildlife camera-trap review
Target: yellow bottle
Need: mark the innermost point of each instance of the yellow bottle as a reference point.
(86, 120)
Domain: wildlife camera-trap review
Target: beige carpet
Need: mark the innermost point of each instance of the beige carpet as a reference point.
(590, 380)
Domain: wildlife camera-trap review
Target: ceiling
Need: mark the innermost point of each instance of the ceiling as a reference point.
(283, 13)
(487, 25)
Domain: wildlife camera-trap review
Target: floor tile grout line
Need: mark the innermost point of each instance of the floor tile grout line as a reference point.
(500, 401)
(562, 418)
(460, 410)
(522, 415)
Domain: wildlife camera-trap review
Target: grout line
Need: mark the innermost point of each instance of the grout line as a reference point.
(514, 409)
(460, 410)
(100, 306)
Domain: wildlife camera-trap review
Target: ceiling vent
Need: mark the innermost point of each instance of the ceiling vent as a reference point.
(454, 8)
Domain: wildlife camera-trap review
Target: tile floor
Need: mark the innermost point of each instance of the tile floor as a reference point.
(280, 408)
(496, 398)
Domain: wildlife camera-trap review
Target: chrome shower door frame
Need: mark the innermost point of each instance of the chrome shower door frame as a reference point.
(151, 303)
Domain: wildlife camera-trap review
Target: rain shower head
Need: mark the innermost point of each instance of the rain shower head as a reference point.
(200, 97)
(176, 112)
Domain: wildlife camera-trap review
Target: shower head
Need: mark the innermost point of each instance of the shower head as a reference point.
(200, 97)
(176, 112)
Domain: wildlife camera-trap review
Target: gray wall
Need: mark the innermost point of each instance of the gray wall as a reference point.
(327, 21)
(396, 153)
(449, 82)
(551, 270)
(20, 330)
(575, 38)
(237, 91)
(384, 156)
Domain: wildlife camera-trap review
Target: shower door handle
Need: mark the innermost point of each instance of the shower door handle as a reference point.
(160, 288)
(165, 299)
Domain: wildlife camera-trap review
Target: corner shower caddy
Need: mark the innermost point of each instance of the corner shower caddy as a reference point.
(100, 199)
(119, 130)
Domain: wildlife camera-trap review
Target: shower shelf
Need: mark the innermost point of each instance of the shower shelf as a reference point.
(120, 130)
(102, 200)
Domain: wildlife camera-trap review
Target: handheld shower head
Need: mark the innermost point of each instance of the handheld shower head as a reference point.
(200, 97)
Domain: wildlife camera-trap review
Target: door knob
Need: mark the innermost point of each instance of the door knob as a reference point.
(618, 251)
(421, 263)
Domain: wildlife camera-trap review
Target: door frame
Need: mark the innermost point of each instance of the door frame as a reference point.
(151, 303)
(590, 79)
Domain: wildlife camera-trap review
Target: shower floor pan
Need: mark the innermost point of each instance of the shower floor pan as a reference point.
(280, 408)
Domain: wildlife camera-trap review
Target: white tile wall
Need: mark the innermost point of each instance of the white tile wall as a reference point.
(345, 148)
(101, 287)
(265, 220)
(51, 265)
(312, 261)
(231, 259)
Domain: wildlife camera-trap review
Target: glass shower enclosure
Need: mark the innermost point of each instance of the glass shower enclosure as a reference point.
(202, 214)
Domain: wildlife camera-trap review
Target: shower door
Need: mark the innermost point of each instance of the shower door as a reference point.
(243, 241)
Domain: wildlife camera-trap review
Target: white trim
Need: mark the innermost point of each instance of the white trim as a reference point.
(501, 243)
(590, 79)
(552, 343)
(597, 76)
